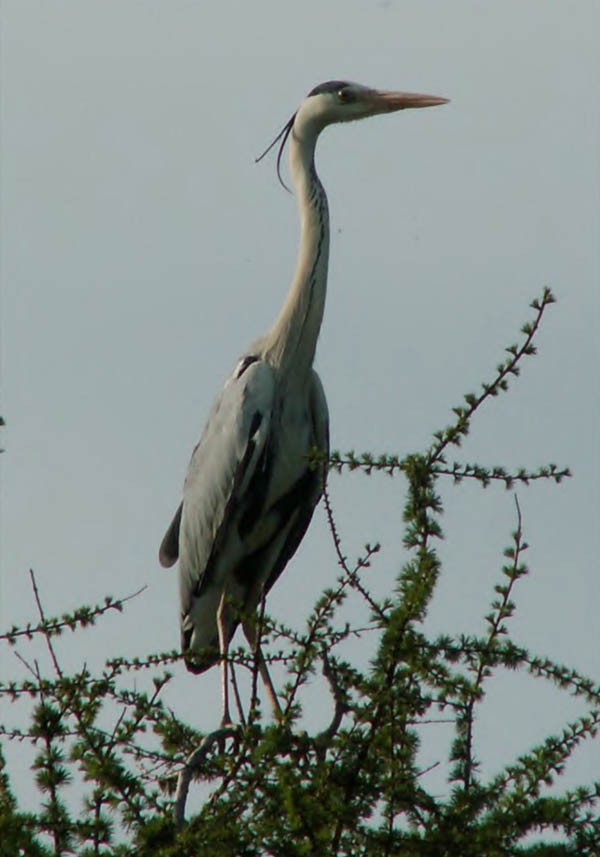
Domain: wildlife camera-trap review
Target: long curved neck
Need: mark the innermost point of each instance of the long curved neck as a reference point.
(291, 343)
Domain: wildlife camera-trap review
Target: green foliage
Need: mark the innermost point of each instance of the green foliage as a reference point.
(356, 787)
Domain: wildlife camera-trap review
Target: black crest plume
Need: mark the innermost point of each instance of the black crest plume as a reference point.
(283, 135)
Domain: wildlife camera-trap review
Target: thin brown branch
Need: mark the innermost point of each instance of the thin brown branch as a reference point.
(352, 578)
(236, 693)
(323, 739)
(193, 763)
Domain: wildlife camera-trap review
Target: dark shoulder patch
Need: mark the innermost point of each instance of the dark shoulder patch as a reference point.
(249, 452)
(252, 504)
(246, 361)
(328, 86)
(255, 424)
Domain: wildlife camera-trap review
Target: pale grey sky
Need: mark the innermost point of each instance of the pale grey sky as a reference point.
(143, 250)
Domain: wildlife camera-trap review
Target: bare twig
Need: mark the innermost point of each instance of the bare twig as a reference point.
(236, 693)
(193, 763)
(352, 578)
(323, 739)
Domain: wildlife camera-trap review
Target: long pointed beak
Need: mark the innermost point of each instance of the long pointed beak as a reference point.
(390, 101)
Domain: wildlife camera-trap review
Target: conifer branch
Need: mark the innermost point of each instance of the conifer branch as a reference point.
(505, 371)
(83, 617)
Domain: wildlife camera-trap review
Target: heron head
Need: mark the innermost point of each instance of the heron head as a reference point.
(343, 101)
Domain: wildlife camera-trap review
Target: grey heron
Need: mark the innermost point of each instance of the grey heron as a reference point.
(250, 492)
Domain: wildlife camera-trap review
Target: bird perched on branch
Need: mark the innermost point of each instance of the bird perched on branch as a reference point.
(250, 489)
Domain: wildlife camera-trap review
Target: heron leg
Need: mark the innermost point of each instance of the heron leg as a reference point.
(223, 649)
(254, 643)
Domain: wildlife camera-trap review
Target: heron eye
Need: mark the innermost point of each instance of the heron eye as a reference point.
(346, 96)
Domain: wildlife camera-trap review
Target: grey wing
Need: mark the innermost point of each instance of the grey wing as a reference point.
(308, 490)
(220, 470)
